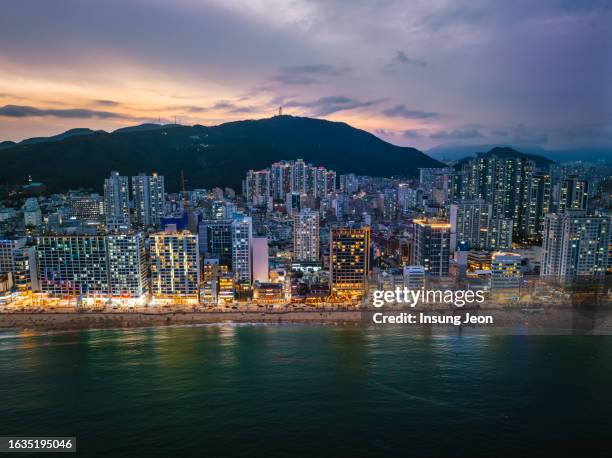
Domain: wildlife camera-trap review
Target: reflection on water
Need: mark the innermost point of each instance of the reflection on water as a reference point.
(237, 390)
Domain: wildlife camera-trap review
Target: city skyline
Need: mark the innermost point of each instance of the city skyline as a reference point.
(212, 62)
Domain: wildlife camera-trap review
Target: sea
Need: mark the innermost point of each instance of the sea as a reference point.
(308, 390)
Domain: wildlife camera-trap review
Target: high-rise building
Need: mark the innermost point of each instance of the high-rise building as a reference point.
(149, 198)
(349, 184)
(116, 202)
(306, 235)
(432, 246)
(574, 194)
(91, 266)
(390, 204)
(258, 187)
(473, 222)
(575, 246)
(175, 266)
(87, 208)
(503, 179)
(127, 265)
(73, 266)
(349, 261)
(242, 250)
(260, 260)
(215, 240)
(407, 198)
(537, 205)
(19, 260)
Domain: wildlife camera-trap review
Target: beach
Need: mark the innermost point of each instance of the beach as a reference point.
(534, 319)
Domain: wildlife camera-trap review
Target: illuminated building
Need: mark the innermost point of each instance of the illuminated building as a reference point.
(574, 194)
(257, 187)
(407, 198)
(127, 265)
(215, 240)
(226, 290)
(478, 260)
(473, 222)
(506, 271)
(149, 198)
(91, 266)
(575, 245)
(175, 265)
(116, 202)
(87, 208)
(19, 260)
(432, 246)
(73, 266)
(537, 205)
(349, 261)
(502, 179)
(390, 204)
(306, 235)
(269, 293)
(242, 250)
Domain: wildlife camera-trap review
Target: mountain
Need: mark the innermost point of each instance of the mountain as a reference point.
(210, 156)
(455, 152)
(55, 138)
(505, 151)
(140, 127)
(7, 144)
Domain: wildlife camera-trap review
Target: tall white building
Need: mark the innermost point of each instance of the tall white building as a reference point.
(575, 246)
(242, 250)
(260, 259)
(306, 235)
(127, 265)
(149, 196)
(116, 202)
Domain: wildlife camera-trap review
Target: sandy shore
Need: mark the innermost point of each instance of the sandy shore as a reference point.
(583, 321)
(65, 321)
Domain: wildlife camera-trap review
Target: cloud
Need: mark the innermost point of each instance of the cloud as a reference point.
(303, 75)
(231, 107)
(24, 111)
(331, 104)
(107, 103)
(400, 111)
(457, 134)
(411, 133)
(401, 59)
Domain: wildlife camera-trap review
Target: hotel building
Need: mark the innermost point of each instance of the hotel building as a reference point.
(175, 266)
(349, 262)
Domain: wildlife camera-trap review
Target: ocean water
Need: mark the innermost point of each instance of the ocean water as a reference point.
(303, 390)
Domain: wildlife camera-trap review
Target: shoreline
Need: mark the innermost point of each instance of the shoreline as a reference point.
(597, 320)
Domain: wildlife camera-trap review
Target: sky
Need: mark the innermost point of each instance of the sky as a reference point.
(417, 73)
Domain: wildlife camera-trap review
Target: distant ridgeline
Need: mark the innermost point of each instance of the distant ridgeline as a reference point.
(210, 156)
